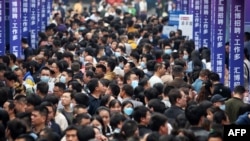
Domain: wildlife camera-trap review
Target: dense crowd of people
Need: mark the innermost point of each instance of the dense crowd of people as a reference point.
(108, 73)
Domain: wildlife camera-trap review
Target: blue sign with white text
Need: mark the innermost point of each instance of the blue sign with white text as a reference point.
(15, 27)
(2, 27)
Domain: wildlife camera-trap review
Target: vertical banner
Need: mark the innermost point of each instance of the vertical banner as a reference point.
(178, 5)
(184, 6)
(2, 27)
(218, 36)
(25, 18)
(236, 56)
(15, 27)
(196, 25)
(33, 25)
(205, 26)
(38, 15)
(43, 15)
(49, 10)
(190, 6)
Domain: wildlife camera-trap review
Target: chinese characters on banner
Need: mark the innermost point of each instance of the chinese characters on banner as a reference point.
(218, 37)
(15, 27)
(2, 27)
(190, 6)
(43, 15)
(178, 5)
(38, 15)
(33, 25)
(236, 43)
(205, 26)
(196, 24)
(184, 6)
(25, 18)
(49, 9)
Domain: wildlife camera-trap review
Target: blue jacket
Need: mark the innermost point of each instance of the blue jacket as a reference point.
(243, 119)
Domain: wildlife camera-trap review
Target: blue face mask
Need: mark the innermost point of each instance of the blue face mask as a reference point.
(168, 51)
(44, 79)
(185, 57)
(117, 54)
(134, 83)
(62, 79)
(143, 65)
(128, 111)
(223, 107)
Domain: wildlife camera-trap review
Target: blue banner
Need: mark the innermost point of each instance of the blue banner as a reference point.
(2, 27)
(218, 36)
(184, 6)
(38, 15)
(236, 43)
(196, 25)
(174, 17)
(178, 5)
(205, 26)
(49, 10)
(43, 15)
(191, 7)
(33, 25)
(15, 27)
(25, 18)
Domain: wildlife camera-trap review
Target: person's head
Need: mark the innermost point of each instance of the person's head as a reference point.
(19, 73)
(239, 91)
(71, 133)
(150, 93)
(131, 78)
(195, 114)
(95, 86)
(80, 109)
(10, 78)
(111, 65)
(127, 91)
(24, 137)
(104, 112)
(142, 115)
(4, 117)
(96, 121)
(156, 105)
(4, 95)
(82, 119)
(117, 120)
(58, 89)
(68, 75)
(66, 98)
(81, 99)
(33, 100)
(127, 108)
(75, 86)
(88, 75)
(39, 116)
(210, 112)
(9, 107)
(20, 103)
(130, 129)
(160, 69)
(14, 129)
(100, 71)
(159, 123)
(128, 66)
(85, 133)
(45, 74)
(215, 136)
(115, 106)
(218, 100)
(42, 89)
(177, 97)
(220, 117)
(178, 71)
(113, 89)
(51, 110)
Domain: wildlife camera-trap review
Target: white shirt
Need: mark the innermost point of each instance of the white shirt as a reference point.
(155, 79)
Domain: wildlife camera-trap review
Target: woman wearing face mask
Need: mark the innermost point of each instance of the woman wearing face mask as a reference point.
(127, 109)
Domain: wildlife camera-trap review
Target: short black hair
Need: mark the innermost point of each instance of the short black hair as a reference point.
(92, 84)
(34, 99)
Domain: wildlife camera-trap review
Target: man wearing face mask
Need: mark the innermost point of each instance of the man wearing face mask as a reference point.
(218, 101)
(45, 76)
